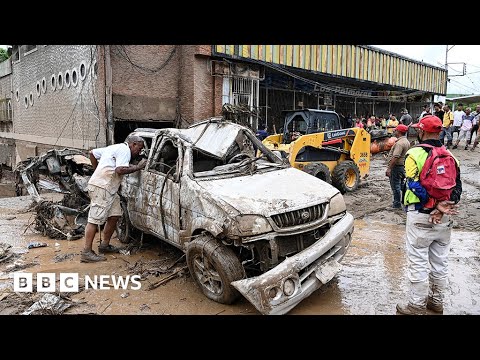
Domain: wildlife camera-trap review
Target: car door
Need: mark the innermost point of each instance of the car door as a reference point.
(160, 190)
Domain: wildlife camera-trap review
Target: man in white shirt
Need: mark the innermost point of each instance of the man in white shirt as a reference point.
(465, 128)
(457, 120)
(110, 164)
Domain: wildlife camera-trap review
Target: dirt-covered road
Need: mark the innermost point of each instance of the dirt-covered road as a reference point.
(372, 281)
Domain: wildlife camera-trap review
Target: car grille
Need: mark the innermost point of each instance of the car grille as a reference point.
(299, 217)
(288, 245)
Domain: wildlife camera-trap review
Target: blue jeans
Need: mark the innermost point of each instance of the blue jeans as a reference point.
(448, 132)
(396, 177)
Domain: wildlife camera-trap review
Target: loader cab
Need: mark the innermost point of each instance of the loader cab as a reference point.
(308, 121)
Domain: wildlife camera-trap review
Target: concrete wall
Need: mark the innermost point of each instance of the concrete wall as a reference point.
(5, 87)
(5, 99)
(145, 81)
(6, 145)
(60, 116)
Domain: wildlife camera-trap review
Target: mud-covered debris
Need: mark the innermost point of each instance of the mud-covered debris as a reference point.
(60, 222)
(178, 272)
(153, 267)
(15, 303)
(5, 253)
(49, 304)
(8, 217)
(63, 257)
(36, 244)
(66, 171)
(144, 307)
(125, 295)
(20, 265)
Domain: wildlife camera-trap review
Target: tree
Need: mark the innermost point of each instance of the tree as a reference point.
(3, 55)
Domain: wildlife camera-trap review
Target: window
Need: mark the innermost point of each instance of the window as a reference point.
(54, 82)
(74, 77)
(166, 157)
(3, 110)
(83, 72)
(60, 81)
(67, 78)
(298, 124)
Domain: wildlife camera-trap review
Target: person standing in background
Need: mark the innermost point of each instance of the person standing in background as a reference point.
(406, 119)
(392, 124)
(438, 111)
(465, 128)
(476, 115)
(457, 120)
(426, 111)
(446, 126)
(396, 164)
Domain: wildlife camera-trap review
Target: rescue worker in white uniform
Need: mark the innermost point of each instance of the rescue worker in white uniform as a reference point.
(428, 227)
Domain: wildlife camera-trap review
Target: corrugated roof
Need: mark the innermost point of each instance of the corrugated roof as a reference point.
(358, 62)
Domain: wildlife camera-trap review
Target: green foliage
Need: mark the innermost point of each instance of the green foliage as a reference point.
(3, 54)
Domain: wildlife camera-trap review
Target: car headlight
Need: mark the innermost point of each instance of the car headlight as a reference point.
(337, 205)
(252, 224)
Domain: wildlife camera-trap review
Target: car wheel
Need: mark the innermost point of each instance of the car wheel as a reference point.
(124, 226)
(214, 267)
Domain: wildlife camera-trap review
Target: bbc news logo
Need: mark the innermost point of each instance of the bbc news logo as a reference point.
(68, 282)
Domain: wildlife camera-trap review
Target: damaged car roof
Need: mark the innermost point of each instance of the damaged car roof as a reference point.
(213, 136)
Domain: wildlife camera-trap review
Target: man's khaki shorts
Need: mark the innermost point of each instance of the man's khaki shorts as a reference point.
(102, 205)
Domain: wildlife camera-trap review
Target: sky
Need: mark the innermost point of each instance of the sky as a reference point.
(457, 55)
(435, 55)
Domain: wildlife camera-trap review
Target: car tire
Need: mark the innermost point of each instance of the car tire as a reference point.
(214, 267)
(124, 227)
(346, 176)
(319, 170)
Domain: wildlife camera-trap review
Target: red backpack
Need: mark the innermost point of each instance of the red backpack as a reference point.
(439, 173)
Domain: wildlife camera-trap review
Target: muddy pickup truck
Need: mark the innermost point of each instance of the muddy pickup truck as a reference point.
(249, 225)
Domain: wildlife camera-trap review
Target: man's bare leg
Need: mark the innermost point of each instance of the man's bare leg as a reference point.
(90, 231)
(110, 227)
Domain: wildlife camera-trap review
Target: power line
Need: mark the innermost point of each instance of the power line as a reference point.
(464, 86)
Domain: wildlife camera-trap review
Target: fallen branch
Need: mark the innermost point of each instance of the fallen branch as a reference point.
(167, 278)
(106, 307)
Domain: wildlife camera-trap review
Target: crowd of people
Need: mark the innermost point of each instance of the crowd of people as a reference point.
(464, 123)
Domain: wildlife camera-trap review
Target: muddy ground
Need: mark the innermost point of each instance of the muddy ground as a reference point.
(372, 281)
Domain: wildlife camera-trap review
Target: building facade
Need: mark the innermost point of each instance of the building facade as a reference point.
(86, 96)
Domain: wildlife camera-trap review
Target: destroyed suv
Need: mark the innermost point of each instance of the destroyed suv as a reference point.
(249, 225)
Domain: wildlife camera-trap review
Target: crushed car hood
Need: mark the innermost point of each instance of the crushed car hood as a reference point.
(271, 192)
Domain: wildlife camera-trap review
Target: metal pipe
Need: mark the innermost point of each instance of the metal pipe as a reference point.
(266, 106)
(108, 95)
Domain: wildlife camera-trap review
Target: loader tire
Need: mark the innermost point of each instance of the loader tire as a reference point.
(320, 171)
(346, 176)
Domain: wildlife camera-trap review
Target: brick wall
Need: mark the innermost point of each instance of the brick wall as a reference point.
(145, 81)
(204, 89)
(71, 115)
